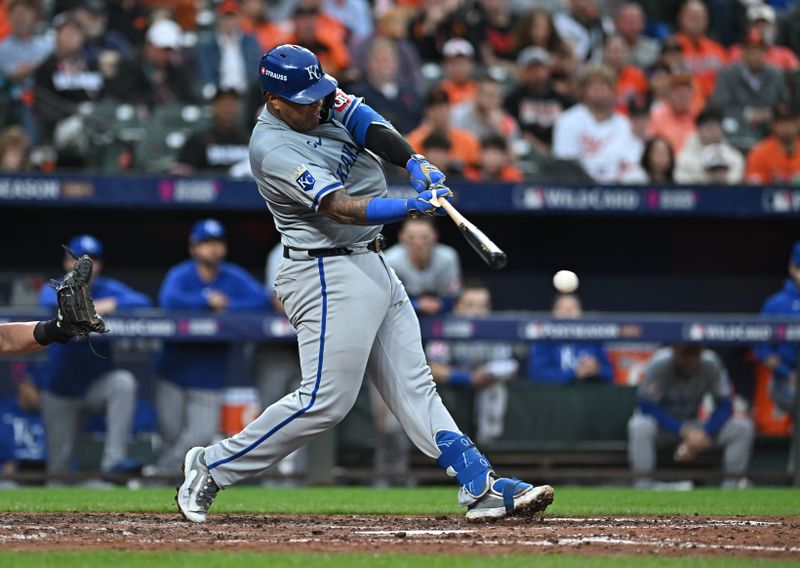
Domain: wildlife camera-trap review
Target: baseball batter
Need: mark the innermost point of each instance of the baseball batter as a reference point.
(313, 154)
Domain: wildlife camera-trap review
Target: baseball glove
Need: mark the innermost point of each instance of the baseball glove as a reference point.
(76, 314)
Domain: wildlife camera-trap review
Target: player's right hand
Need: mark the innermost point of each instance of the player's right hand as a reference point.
(423, 204)
(423, 174)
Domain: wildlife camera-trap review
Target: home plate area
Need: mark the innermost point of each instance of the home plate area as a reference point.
(773, 537)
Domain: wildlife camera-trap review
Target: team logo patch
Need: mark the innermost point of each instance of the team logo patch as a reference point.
(304, 179)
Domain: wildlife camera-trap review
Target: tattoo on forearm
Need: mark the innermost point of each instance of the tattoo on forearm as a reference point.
(342, 208)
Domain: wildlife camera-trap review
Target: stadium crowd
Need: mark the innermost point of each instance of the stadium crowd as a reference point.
(493, 90)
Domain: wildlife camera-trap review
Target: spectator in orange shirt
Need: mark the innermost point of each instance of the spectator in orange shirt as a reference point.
(776, 159)
(673, 118)
(465, 146)
(761, 17)
(254, 21)
(631, 82)
(326, 41)
(497, 163)
(459, 56)
(702, 56)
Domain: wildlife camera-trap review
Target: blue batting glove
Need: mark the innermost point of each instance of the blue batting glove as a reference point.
(422, 204)
(423, 173)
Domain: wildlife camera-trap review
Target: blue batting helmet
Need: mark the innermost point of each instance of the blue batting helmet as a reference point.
(295, 74)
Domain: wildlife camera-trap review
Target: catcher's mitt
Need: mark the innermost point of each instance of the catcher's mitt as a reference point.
(76, 314)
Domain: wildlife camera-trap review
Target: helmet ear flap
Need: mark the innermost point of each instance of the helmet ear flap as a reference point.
(327, 107)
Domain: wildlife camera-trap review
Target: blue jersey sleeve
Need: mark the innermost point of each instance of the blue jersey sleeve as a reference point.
(663, 418)
(772, 306)
(247, 293)
(126, 296)
(355, 115)
(47, 297)
(174, 296)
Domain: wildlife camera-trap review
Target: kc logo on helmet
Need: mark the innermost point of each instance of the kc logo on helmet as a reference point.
(313, 71)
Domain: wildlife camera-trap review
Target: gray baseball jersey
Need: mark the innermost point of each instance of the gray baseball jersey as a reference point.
(295, 171)
(442, 276)
(351, 313)
(678, 395)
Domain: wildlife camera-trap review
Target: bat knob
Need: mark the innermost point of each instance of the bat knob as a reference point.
(498, 260)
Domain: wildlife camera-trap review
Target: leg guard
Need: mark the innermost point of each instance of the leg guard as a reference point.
(462, 460)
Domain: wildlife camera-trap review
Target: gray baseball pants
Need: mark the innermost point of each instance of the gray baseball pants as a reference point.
(114, 392)
(352, 316)
(186, 418)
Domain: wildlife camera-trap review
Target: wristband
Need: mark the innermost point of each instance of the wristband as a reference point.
(383, 210)
(459, 377)
(47, 332)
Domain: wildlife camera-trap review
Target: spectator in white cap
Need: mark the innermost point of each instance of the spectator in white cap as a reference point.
(459, 64)
(717, 161)
(761, 17)
(159, 75)
(689, 166)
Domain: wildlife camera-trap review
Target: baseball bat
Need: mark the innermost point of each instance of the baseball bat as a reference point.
(483, 245)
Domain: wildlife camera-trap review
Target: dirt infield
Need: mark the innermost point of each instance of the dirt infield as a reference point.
(774, 537)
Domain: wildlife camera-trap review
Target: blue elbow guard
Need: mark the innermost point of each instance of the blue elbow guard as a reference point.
(383, 210)
(359, 121)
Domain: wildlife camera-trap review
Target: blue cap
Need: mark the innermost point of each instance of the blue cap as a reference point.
(206, 230)
(86, 244)
(796, 254)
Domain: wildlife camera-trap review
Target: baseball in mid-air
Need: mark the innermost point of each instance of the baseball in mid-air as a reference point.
(565, 281)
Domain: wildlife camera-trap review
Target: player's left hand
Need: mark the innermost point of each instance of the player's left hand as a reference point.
(423, 173)
(423, 203)
(76, 312)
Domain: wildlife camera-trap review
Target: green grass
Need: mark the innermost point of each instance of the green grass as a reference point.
(429, 500)
(304, 560)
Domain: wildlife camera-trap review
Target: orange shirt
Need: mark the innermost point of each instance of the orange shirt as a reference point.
(508, 173)
(466, 148)
(268, 34)
(631, 86)
(703, 60)
(459, 92)
(675, 128)
(5, 24)
(769, 163)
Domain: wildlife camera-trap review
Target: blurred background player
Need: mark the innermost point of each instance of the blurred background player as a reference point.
(75, 380)
(189, 394)
(22, 440)
(782, 358)
(485, 366)
(670, 395)
(571, 362)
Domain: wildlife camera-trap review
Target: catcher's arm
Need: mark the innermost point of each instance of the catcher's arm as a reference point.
(76, 314)
(18, 338)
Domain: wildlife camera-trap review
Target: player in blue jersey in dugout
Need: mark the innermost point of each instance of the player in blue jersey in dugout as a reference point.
(192, 375)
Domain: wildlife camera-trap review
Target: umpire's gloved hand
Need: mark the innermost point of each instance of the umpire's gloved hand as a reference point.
(422, 204)
(423, 173)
